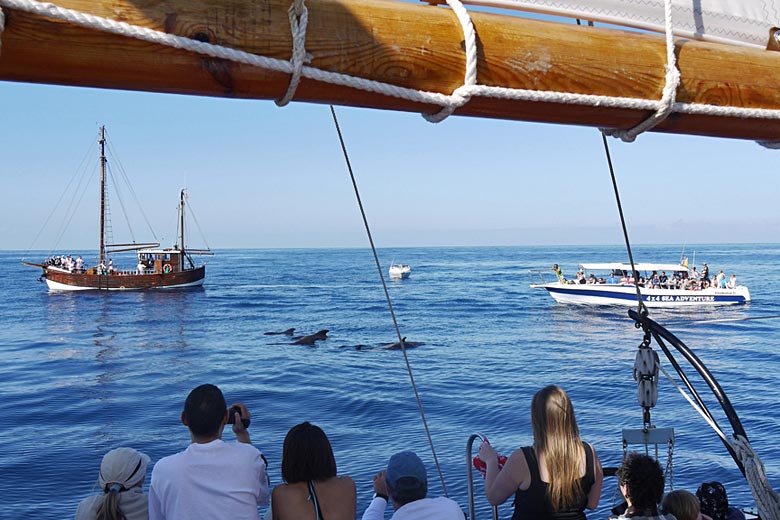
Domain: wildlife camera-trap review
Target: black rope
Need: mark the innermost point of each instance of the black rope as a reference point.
(641, 308)
(401, 340)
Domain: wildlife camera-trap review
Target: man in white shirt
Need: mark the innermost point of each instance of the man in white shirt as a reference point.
(211, 479)
(405, 483)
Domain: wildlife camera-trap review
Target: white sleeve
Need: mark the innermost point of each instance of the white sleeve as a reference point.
(375, 510)
(264, 491)
(155, 508)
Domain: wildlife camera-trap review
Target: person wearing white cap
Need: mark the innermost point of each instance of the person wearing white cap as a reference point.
(405, 483)
(121, 480)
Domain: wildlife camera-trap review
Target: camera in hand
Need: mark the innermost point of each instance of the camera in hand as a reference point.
(232, 416)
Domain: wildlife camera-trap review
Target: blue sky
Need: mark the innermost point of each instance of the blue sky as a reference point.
(262, 176)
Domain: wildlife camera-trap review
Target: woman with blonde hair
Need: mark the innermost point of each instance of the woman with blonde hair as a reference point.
(555, 479)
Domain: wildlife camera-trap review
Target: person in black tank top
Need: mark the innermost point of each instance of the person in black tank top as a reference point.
(572, 472)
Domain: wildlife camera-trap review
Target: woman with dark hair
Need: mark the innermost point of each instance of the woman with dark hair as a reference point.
(312, 489)
(642, 483)
(121, 481)
(555, 479)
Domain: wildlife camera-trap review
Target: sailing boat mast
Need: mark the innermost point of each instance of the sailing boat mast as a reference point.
(181, 218)
(102, 194)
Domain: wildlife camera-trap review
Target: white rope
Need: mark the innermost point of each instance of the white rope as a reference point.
(2, 27)
(458, 98)
(767, 499)
(299, 20)
(695, 406)
(669, 94)
(462, 94)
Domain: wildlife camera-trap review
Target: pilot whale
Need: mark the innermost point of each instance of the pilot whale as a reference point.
(311, 338)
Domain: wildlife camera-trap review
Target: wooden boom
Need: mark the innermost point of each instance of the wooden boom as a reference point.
(412, 45)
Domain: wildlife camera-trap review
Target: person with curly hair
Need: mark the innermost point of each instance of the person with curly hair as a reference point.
(642, 483)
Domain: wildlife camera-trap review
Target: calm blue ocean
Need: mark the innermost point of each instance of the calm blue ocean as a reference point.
(83, 373)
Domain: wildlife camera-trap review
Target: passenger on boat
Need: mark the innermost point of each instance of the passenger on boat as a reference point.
(592, 279)
(121, 480)
(405, 483)
(312, 489)
(558, 273)
(721, 279)
(79, 264)
(110, 266)
(732, 283)
(581, 277)
(641, 481)
(211, 478)
(705, 273)
(141, 267)
(683, 505)
(714, 502)
(556, 478)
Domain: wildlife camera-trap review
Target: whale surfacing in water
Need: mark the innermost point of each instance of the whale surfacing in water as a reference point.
(311, 338)
(397, 345)
(288, 332)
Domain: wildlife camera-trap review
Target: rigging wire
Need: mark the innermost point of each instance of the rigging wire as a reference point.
(641, 308)
(60, 200)
(72, 207)
(191, 213)
(387, 297)
(723, 320)
(121, 202)
(126, 179)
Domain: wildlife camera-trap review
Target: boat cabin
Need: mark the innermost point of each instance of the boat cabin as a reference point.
(169, 260)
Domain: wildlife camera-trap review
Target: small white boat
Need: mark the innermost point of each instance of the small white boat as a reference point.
(615, 286)
(400, 271)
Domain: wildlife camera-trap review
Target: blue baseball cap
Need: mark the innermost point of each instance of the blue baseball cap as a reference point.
(405, 471)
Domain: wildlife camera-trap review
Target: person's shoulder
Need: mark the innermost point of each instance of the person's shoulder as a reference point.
(167, 461)
(446, 503)
(88, 507)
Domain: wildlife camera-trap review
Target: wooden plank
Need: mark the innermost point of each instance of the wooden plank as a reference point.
(406, 44)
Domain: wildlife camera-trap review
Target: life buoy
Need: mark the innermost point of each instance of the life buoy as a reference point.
(167, 268)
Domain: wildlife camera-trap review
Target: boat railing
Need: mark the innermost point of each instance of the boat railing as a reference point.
(470, 473)
(541, 276)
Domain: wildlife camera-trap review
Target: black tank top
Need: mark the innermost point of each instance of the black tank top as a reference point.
(533, 504)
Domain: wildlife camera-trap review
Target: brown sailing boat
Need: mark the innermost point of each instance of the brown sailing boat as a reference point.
(157, 268)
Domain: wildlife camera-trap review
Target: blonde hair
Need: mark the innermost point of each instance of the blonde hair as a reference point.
(557, 437)
(682, 504)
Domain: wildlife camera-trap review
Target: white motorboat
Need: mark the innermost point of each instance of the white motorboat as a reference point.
(400, 270)
(614, 284)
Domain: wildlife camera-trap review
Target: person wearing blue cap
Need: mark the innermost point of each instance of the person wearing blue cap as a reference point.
(405, 483)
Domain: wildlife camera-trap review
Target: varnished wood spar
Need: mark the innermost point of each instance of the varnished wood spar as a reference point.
(407, 44)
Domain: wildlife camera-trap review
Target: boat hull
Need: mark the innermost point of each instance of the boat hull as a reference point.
(622, 294)
(62, 280)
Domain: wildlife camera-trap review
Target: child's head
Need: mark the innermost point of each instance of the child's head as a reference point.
(682, 504)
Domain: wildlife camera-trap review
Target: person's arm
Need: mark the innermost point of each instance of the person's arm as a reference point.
(500, 484)
(155, 507)
(598, 474)
(376, 510)
(264, 489)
